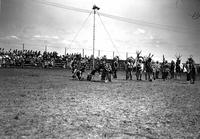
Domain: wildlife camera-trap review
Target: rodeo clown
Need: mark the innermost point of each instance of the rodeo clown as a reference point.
(103, 68)
(78, 66)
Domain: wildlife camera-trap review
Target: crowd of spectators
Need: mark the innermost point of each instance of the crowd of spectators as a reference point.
(21, 58)
(24, 58)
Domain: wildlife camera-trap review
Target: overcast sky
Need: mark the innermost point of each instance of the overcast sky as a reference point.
(173, 31)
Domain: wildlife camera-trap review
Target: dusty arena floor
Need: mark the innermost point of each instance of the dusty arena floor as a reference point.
(39, 103)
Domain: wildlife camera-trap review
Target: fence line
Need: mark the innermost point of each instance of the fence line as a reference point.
(64, 50)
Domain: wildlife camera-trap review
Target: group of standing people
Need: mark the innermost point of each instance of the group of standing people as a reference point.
(140, 65)
(78, 66)
(151, 70)
(174, 70)
(104, 68)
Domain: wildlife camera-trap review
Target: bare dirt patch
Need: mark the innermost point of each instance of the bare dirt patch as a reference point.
(38, 103)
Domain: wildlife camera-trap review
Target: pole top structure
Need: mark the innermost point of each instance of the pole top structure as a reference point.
(95, 7)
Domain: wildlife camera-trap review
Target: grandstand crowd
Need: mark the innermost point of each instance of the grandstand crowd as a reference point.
(23, 58)
(106, 67)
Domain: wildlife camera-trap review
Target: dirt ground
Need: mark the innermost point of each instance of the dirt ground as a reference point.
(47, 103)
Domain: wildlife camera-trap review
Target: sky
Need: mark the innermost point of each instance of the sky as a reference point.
(160, 27)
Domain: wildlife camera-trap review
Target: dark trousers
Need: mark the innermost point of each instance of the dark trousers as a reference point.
(128, 74)
(164, 75)
(192, 76)
(115, 74)
(138, 75)
(106, 76)
(172, 74)
(188, 76)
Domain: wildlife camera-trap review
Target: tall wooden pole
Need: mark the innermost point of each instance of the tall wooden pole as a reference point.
(83, 53)
(45, 48)
(23, 47)
(94, 9)
(93, 39)
(99, 53)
